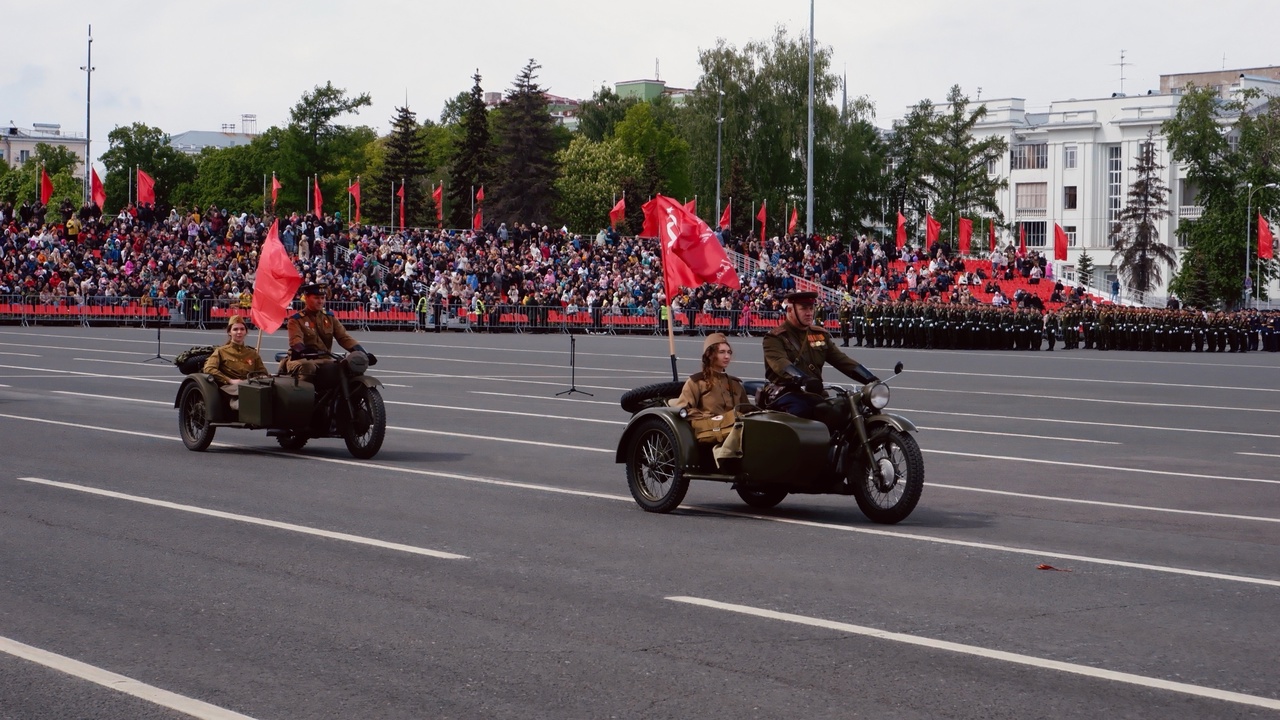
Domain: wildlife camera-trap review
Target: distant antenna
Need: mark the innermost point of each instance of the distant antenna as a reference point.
(249, 124)
(979, 92)
(1224, 61)
(1122, 65)
(656, 74)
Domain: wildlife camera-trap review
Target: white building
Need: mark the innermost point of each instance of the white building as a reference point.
(1072, 165)
(17, 144)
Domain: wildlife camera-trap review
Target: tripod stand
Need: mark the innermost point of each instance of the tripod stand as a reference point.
(158, 355)
(573, 370)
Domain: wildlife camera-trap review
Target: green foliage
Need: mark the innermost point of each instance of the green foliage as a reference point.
(315, 144)
(1136, 234)
(524, 156)
(404, 161)
(55, 158)
(643, 134)
(955, 163)
(22, 184)
(470, 167)
(1084, 268)
(230, 178)
(598, 116)
(141, 146)
(591, 175)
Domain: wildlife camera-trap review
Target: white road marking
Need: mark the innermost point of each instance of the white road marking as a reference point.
(1113, 468)
(544, 397)
(81, 349)
(1091, 423)
(115, 362)
(506, 412)
(490, 363)
(1089, 400)
(1018, 435)
(493, 378)
(1259, 454)
(989, 654)
(139, 378)
(1088, 380)
(1100, 503)
(112, 397)
(396, 386)
(329, 534)
(21, 354)
(486, 438)
(120, 683)
(1032, 552)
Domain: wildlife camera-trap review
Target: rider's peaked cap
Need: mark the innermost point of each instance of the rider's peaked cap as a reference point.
(807, 296)
(314, 289)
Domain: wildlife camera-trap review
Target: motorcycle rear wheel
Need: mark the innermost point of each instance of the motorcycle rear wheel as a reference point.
(193, 421)
(888, 491)
(292, 441)
(364, 434)
(654, 476)
(762, 499)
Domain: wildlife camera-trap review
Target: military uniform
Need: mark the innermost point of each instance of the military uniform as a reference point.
(234, 362)
(315, 332)
(808, 349)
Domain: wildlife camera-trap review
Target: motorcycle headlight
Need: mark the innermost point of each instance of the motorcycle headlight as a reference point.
(876, 395)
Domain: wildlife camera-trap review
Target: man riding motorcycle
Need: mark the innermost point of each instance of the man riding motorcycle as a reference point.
(313, 330)
(794, 353)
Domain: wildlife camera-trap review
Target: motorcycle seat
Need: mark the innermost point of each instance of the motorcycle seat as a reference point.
(753, 387)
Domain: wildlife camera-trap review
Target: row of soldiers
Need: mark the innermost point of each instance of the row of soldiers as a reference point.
(916, 324)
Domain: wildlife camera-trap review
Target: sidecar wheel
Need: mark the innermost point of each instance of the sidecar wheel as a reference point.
(193, 421)
(292, 441)
(889, 491)
(654, 475)
(761, 499)
(364, 433)
(633, 401)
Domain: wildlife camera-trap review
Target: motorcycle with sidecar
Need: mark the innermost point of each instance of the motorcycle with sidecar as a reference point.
(344, 402)
(869, 453)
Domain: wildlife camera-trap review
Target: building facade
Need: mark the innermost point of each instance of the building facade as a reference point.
(17, 144)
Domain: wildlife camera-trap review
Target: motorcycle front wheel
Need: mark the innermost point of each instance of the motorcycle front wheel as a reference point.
(654, 475)
(193, 420)
(889, 489)
(365, 432)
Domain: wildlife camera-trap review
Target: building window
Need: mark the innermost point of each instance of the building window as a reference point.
(1029, 156)
(1069, 197)
(1070, 230)
(23, 156)
(1069, 157)
(1115, 184)
(1031, 199)
(1035, 234)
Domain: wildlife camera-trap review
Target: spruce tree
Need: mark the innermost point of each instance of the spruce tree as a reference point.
(1136, 234)
(1084, 268)
(525, 159)
(405, 161)
(471, 163)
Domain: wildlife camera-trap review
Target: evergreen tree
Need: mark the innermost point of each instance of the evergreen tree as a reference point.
(1084, 268)
(1136, 235)
(471, 163)
(956, 163)
(404, 161)
(525, 164)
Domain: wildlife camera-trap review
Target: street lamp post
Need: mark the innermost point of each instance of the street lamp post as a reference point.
(719, 133)
(1248, 229)
(88, 110)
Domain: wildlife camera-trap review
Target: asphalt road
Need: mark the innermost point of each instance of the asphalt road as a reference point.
(490, 563)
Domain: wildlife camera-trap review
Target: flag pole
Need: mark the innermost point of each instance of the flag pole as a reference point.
(131, 176)
(348, 203)
(258, 347)
(264, 194)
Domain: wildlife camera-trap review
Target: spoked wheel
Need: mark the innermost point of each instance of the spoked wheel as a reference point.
(193, 421)
(761, 499)
(654, 475)
(290, 440)
(888, 491)
(364, 432)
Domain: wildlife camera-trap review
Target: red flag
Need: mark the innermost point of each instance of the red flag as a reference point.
(400, 194)
(146, 188)
(991, 230)
(618, 212)
(96, 192)
(354, 191)
(1266, 244)
(761, 216)
(692, 206)
(318, 199)
(724, 217)
(480, 194)
(966, 235)
(46, 187)
(274, 284)
(901, 236)
(1022, 238)
(932, 229)
(1059, 243)
(691, 253)
(791, 224)
(477, 222)
(275, 189)
(438, 196)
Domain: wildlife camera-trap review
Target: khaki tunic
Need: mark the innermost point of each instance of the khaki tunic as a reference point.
(234, 362)
(807, 349)
(316, 331)
(703, 400)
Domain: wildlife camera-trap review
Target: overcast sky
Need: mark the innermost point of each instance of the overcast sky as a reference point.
(194, 66)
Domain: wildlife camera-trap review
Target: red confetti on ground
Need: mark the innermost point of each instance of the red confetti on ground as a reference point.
(1050, 567)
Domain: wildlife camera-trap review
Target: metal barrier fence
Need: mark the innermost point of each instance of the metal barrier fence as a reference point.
(205, 313)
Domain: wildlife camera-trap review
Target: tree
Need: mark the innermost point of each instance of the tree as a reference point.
(591, 177)
(642, 134)
(524, 157)
(141, 146)
(315, 144)
(1084, 268)
(908, 188)
(230, 178)
(404, 161)
(1136, 236)
(956, 163)
(470, 169)
(598, 116)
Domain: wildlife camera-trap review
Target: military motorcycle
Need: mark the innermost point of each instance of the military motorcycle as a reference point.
(870, 454)
(345, 403)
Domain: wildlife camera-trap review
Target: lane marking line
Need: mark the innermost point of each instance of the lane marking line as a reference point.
(1101, 503)
(1089, 380)
(1019, 435)
(540, 397)
(111, 397)
(1267, 455)
(1091, 400)
(303, 529)
(119, 683)
(989, 654)
(506, 412)
(1115, 468)
(139, 378)
(21, 354)
(716, 511)
(1091, 423)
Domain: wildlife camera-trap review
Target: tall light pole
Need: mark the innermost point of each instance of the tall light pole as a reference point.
(88, 108)
(719, 133)
(808, 197)
(1248, 231)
